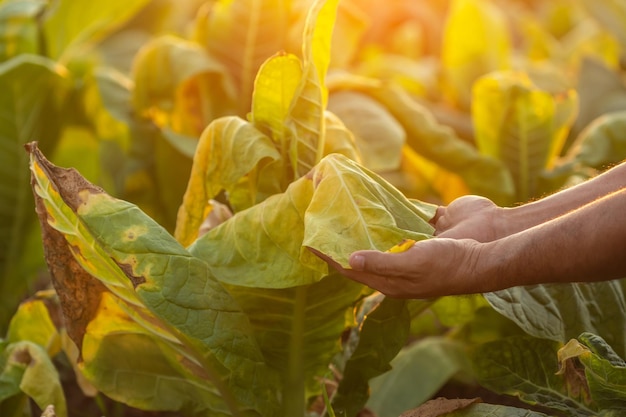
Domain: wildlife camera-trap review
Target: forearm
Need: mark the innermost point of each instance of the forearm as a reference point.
(586, 244)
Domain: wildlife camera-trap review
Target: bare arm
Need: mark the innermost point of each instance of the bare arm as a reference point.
(479, 219)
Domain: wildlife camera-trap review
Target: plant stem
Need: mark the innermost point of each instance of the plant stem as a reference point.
(294, 386)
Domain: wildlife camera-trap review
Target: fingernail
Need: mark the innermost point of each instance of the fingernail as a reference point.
(357, 262)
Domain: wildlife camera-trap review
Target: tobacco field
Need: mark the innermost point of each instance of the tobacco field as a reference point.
(169, 167)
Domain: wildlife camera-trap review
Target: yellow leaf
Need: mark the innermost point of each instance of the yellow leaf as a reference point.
(403, 246)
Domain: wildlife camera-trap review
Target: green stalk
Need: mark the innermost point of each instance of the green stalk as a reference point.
(293, 383)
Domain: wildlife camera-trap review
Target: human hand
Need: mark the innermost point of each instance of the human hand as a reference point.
(430, 268)
(470, 217)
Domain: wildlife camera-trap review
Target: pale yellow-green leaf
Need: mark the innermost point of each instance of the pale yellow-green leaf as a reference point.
(306, 114)
(274, 89)
(339, 207)
(229, 150)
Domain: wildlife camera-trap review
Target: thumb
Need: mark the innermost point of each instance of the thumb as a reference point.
(372, 261)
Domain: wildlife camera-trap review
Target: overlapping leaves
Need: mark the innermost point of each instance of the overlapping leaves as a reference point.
(139, 292)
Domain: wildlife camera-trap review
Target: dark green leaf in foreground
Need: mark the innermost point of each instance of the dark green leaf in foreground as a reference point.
(138, 302)
(564, 311)
(527, 367)
(383, 333)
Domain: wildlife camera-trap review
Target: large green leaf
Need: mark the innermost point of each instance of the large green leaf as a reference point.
(521, 125)
(339, 207)
(134, 299)
(299, 330)
(242, 34)
(32, 91)
(527, 367)
(71, 26)
(562, 312)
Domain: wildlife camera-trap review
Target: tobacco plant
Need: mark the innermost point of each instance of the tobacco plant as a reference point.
(160, 312)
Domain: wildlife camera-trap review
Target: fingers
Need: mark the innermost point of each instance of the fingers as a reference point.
(441, 210)
(378, 263)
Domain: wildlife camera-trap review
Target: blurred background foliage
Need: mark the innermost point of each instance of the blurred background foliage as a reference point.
(502, 98)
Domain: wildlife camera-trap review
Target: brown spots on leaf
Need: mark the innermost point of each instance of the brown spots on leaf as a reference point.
(79, 293)
(133, 233)
(67, 181)
(22, 356)
(128, 271)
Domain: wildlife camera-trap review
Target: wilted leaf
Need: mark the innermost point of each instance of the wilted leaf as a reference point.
(28, 369)
(274, 88)
(604, 372)
(33, 322)
(114, 268)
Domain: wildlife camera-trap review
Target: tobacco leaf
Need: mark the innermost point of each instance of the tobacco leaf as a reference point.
(337, 208)
(152, 310)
